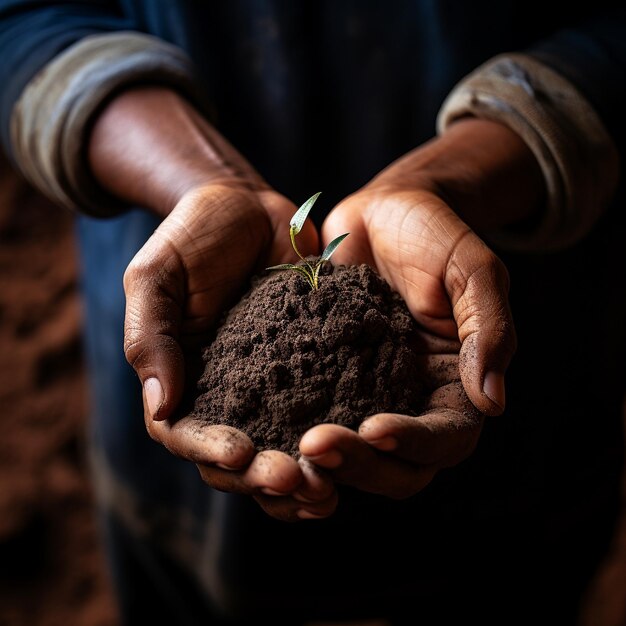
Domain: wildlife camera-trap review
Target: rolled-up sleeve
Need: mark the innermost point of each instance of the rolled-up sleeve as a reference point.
(67, 63)
(565, 98)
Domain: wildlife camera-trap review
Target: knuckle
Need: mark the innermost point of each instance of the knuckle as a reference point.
(135, 271)
(150, 263)
(135, 350)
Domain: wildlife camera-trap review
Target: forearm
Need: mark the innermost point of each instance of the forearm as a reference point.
(51, 121)
(484, 170)
(578, 158)
(149, 146)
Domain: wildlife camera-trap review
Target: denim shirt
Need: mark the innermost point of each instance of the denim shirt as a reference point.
(358, 82)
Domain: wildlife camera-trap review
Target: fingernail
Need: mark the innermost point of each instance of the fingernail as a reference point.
(386, 444)
(493, 388)
(154, 396)
(271, 492)
(331, 459)
(304, 514)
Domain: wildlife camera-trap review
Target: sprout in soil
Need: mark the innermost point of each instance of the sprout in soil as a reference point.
(308, 270)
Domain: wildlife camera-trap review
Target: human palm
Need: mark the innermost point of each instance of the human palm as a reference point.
(456, 289)
(191, 269)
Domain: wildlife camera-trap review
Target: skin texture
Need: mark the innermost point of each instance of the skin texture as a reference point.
(416, 222)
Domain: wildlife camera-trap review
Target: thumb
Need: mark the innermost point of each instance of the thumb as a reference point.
(478, 285)
(152, 284)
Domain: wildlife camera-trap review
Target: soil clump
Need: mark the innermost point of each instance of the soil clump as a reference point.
(287, 357)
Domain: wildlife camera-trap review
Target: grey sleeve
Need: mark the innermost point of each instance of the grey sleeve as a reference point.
(52, 117)
(578, 158)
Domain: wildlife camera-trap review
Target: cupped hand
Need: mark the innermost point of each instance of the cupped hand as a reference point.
(456, 288)
(194, 265)
(451, 281)
(398, 455)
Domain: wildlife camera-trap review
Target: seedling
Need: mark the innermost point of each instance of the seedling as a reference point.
(310, 271)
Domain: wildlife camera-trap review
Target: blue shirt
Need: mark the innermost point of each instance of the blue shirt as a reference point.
(323, 95)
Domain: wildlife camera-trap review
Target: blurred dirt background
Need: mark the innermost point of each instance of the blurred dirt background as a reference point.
(51, 565)
(52, 570)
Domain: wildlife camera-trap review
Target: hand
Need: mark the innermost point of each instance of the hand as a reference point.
(402, 224)
(222, 223)
(398, 455)
(177, 285)
(412, 238)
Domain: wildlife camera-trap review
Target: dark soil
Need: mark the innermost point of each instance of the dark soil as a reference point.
(287, 357)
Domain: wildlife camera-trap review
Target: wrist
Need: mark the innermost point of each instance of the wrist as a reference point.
(483, 170)
(577, 156)
(150, 147)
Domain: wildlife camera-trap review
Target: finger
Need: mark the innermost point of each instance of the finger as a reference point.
(222, 446)
(274, 473)
(440, 437)
(346, 217)
(352, 461)
(315, 498)
(270, 472)
(316, 486)
(321, 444)
(282, 509)
(478, 284)
(290, 510)
(151, 326)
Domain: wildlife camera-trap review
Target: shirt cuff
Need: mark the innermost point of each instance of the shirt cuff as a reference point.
(51, 120)
(578, 158)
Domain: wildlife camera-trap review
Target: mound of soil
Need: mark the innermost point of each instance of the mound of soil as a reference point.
(286, 357)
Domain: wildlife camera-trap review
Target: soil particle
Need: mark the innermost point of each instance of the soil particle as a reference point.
(286, 357)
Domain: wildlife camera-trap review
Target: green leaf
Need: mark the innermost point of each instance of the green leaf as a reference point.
(283, 266)
(310, 272)
(297, 221)
(304, 270)
(331, 247)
